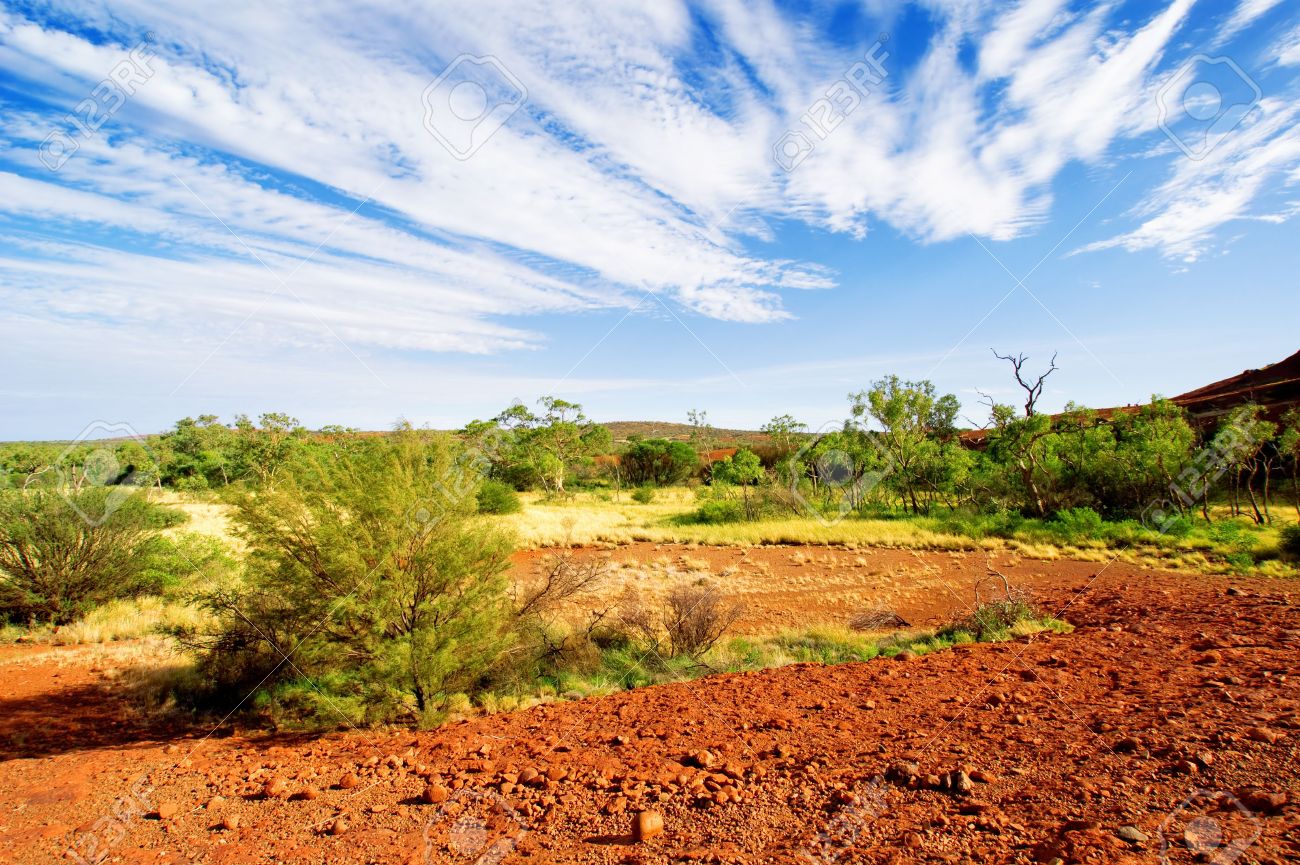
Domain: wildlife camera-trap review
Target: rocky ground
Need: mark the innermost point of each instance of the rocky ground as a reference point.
(1165, 726)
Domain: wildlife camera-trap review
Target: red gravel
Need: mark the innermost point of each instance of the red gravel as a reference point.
(1170, 716)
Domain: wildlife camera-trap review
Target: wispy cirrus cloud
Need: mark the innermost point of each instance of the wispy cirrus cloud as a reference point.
(274, 145)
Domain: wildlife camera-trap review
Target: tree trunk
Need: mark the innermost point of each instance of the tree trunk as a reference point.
(1268, 473)
(1250, 491)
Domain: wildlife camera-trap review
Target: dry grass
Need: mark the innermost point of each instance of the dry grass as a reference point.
(113, 622)
(207, 515)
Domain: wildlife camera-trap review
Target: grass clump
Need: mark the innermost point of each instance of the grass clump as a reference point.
(643, 494)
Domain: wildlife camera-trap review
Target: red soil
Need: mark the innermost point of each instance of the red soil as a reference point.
(1170, 715)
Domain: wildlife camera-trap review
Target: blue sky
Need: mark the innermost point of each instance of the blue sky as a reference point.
(356, 213)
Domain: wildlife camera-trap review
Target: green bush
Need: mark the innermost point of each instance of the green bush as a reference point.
(1077, 524)
(187, 561)
(659, 461)
(1290, 541)
(991, 620)
(63, 553)
(719, 511)
(495, 497)
(371, 601)
(645, 495)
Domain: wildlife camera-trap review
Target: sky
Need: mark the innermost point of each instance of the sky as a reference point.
(358, 213)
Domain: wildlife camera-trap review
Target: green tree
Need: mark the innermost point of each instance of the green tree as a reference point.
(544, 448)
(261, 449)
(363, 582)
(915, 419)
(197, 454)
(785, 432)
(743, 469)
(1250, 433)
(1288, 445)
(659, 461)
(56, 566)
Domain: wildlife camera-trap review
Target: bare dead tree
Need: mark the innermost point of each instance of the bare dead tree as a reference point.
(1033, 387)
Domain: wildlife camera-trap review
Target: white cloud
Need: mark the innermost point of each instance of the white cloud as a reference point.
(1199, 196)
(1287, 50)
(641, 160)
(1246, 13)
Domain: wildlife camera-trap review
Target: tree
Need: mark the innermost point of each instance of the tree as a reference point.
(785, 432)
(914, 420)
(56, 566)
(542, 449)
(745, 470)
(659, 461)
(701, 430)
(262, 448)
(1033, 387)
(1250, 433)
(197, 454)
(360, 584)
(1288, 445)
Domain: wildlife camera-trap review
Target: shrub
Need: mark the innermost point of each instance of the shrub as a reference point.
(644, 495)
(495, 497)
(1076, 524)
(659, 461)
(692, 617)
(1290, 541)
(188, 561)
(992, 620)
(63, 553)
(720, 511)
(353, 589)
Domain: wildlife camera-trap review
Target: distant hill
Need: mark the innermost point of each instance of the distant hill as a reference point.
(1276, 387)
(621, 430)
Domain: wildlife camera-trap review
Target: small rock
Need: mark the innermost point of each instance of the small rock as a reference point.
(961, 783)
(435, 794)
(1264, 734)
(275, 788)
(349, 781)
(230, 823)
(338, 827)
(647, 825)
(703, 759)
(168, 810)
(1131, 834)
(1269, 803)
(307, 794)
(905, 655)
(214, 802)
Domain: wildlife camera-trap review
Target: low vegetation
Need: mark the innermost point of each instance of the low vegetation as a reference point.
(363, 578)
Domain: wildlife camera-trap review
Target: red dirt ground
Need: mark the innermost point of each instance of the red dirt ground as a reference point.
(1171, 715)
